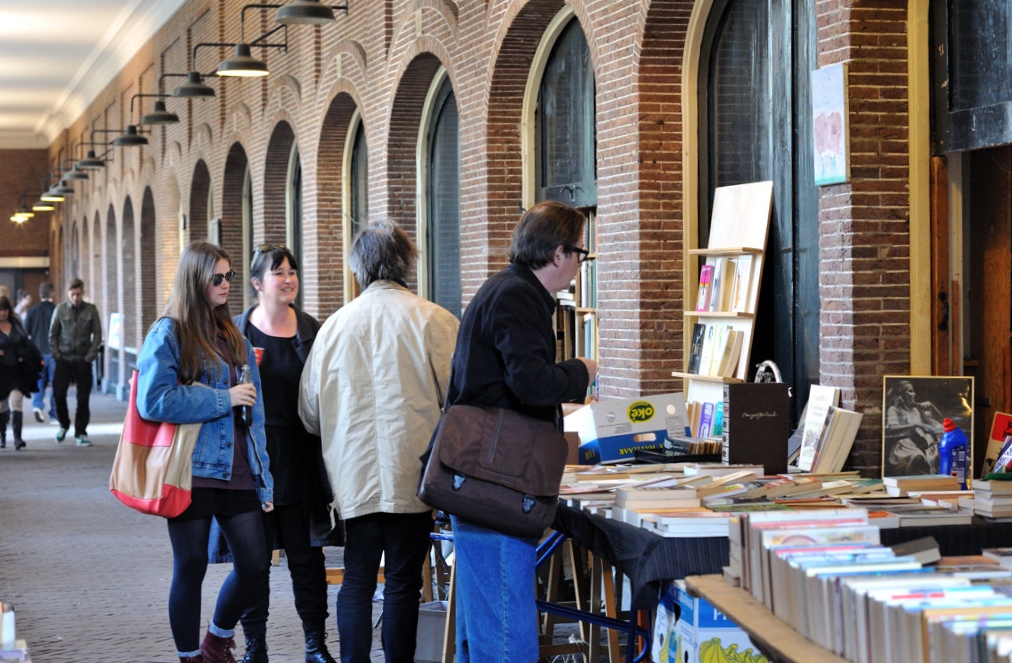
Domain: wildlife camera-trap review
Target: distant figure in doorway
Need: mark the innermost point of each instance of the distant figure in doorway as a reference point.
(372, 388)
(912, 432)
(75, 336)
(37, 322)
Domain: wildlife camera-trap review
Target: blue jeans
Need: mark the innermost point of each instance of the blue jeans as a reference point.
(45, 379)
(404, 540)
(497, 621)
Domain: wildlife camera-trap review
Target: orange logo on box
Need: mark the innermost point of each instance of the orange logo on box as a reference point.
(640, 411)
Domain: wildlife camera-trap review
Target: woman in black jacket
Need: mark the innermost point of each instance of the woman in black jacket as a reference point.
(20, 362)
(282, 336)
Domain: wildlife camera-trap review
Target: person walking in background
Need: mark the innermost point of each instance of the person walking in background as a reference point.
(187, 373)
(20, 362)
(37, 322)
(372, 388)
(75, 336)
(15, 400)
(283, 334)
(24, 302)
(505, 357)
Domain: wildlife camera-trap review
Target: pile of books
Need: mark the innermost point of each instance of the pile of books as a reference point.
(992, 498)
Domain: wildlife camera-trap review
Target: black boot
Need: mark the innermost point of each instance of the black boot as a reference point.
(4, 418)
(256, 648)
(316, 647)
(19, 444)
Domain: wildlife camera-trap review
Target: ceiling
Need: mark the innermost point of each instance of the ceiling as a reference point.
(56, 56)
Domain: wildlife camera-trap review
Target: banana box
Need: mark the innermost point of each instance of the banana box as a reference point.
(614, 430)
(696, 632)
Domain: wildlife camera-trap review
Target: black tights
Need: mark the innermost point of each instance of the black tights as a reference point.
(245, 536)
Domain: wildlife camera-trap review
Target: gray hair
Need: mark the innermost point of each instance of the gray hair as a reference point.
(382, 251)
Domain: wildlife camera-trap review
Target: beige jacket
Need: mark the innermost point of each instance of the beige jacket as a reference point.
(372, 389)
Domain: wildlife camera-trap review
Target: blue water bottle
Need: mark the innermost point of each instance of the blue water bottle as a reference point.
(952, 452)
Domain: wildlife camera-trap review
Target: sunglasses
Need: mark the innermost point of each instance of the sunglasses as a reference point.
(582, 254)
(216, 279)
(267, 248)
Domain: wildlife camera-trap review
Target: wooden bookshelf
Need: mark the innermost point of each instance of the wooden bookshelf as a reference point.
(776, 639)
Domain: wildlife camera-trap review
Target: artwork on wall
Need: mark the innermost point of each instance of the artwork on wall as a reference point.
(913, 409)
(829, 124)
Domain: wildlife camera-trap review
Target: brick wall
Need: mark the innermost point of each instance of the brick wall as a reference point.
(379, 61)
(22, 173)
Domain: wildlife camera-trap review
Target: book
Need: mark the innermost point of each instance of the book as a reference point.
(757, 424)
(703, 295)
(696, 347)
(732, 357)
(925, 550)
(716, 279)
(900, 486)
(705, 420)
(719, 341)
(741, 283)
(1001, 555)
(839, 439)
(656, 497)
(706, 356)
(820, 399)
(721, 284)
(998, 441)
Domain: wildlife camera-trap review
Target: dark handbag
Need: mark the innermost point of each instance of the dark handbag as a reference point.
(495, 468)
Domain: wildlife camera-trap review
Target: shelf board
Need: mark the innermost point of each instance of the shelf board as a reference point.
(774, 637)
(726, 251)
(704, 378)
(718, 314)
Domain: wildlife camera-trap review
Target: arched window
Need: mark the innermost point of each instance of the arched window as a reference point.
(293, 225)
(564, 164)
(356, 194)
(754, 100)
(440, 179)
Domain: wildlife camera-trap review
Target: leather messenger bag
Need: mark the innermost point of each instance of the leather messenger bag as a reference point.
(495, 468)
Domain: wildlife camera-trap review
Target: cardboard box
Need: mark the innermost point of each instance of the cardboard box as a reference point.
(614, 430)
(431, 627)
(700, 633)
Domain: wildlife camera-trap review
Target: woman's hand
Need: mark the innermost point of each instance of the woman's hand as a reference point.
(243, 394)
(267, 507)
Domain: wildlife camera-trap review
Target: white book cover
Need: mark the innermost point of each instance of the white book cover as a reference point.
(820, 399)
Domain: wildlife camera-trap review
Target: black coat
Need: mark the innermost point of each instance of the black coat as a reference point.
(20, 364)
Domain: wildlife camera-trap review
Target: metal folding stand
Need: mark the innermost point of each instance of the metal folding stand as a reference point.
(545, 551)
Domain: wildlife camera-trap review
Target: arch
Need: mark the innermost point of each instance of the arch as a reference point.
(85, 259)
(327, 285)
(111, 300)
(147, 276)
(95, 267)
(130, 311)
(173, 234)
(279, 150)
(75, 250)
(200, 196)
(234, 237)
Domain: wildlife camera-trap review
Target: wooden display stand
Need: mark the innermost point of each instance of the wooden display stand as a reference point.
(777, 640)
(739, 228)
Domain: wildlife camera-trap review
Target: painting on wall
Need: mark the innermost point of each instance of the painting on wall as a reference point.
(913, 410)
(829, 124)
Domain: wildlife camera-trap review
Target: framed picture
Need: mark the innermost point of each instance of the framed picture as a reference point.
(829, 118)
(912, 412)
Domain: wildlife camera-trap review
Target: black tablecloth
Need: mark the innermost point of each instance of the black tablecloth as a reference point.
(955, 539)
(647, 559)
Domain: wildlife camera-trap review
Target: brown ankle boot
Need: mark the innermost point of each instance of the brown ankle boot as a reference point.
(217, 650)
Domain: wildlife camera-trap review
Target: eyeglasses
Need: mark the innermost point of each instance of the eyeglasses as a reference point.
(582, 254)
(216, 279)
(267, 248)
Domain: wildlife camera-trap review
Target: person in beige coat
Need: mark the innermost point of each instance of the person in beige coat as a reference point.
(372, 389)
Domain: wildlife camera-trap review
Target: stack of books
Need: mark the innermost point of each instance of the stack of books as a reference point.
(901, 485)
(992, 498)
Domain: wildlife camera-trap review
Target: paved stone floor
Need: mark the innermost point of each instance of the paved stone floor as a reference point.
(88, 577)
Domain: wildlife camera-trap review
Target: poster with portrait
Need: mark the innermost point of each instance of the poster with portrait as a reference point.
(912, 412)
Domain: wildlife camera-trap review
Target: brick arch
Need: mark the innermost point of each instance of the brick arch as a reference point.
(148, 259)
(231, 222)
(85, 248)
(502, 140)
(95, 258)
(110, 281)
(326, 287)
(275, 181)
(75, 249)
(168, 233)
(200, 189)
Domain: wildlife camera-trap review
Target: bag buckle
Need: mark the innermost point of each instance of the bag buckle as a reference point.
(458, 481)
(528, 503)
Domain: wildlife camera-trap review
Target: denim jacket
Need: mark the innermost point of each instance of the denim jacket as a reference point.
(160, 397)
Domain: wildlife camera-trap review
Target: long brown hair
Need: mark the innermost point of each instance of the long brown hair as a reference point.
(196, 321)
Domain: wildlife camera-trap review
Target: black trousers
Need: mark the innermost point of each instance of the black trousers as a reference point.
(78, 372)
(288, 526)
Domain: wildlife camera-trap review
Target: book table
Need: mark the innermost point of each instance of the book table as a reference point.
(776, 639)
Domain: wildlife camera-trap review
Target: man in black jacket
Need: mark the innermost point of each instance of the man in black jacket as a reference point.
(37, 322)
(75, 336)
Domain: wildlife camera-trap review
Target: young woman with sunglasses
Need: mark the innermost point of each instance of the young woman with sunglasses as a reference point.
(283, 335)
(188, 373)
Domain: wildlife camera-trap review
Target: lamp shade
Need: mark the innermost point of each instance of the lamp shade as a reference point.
(160, 115)
(193, 87)
(42, 206)
(62, 190)
(242, 64)
(25, 211)
(51, 196)
(75, 174)
(131, 138)
(90, 162)
(302, 12)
